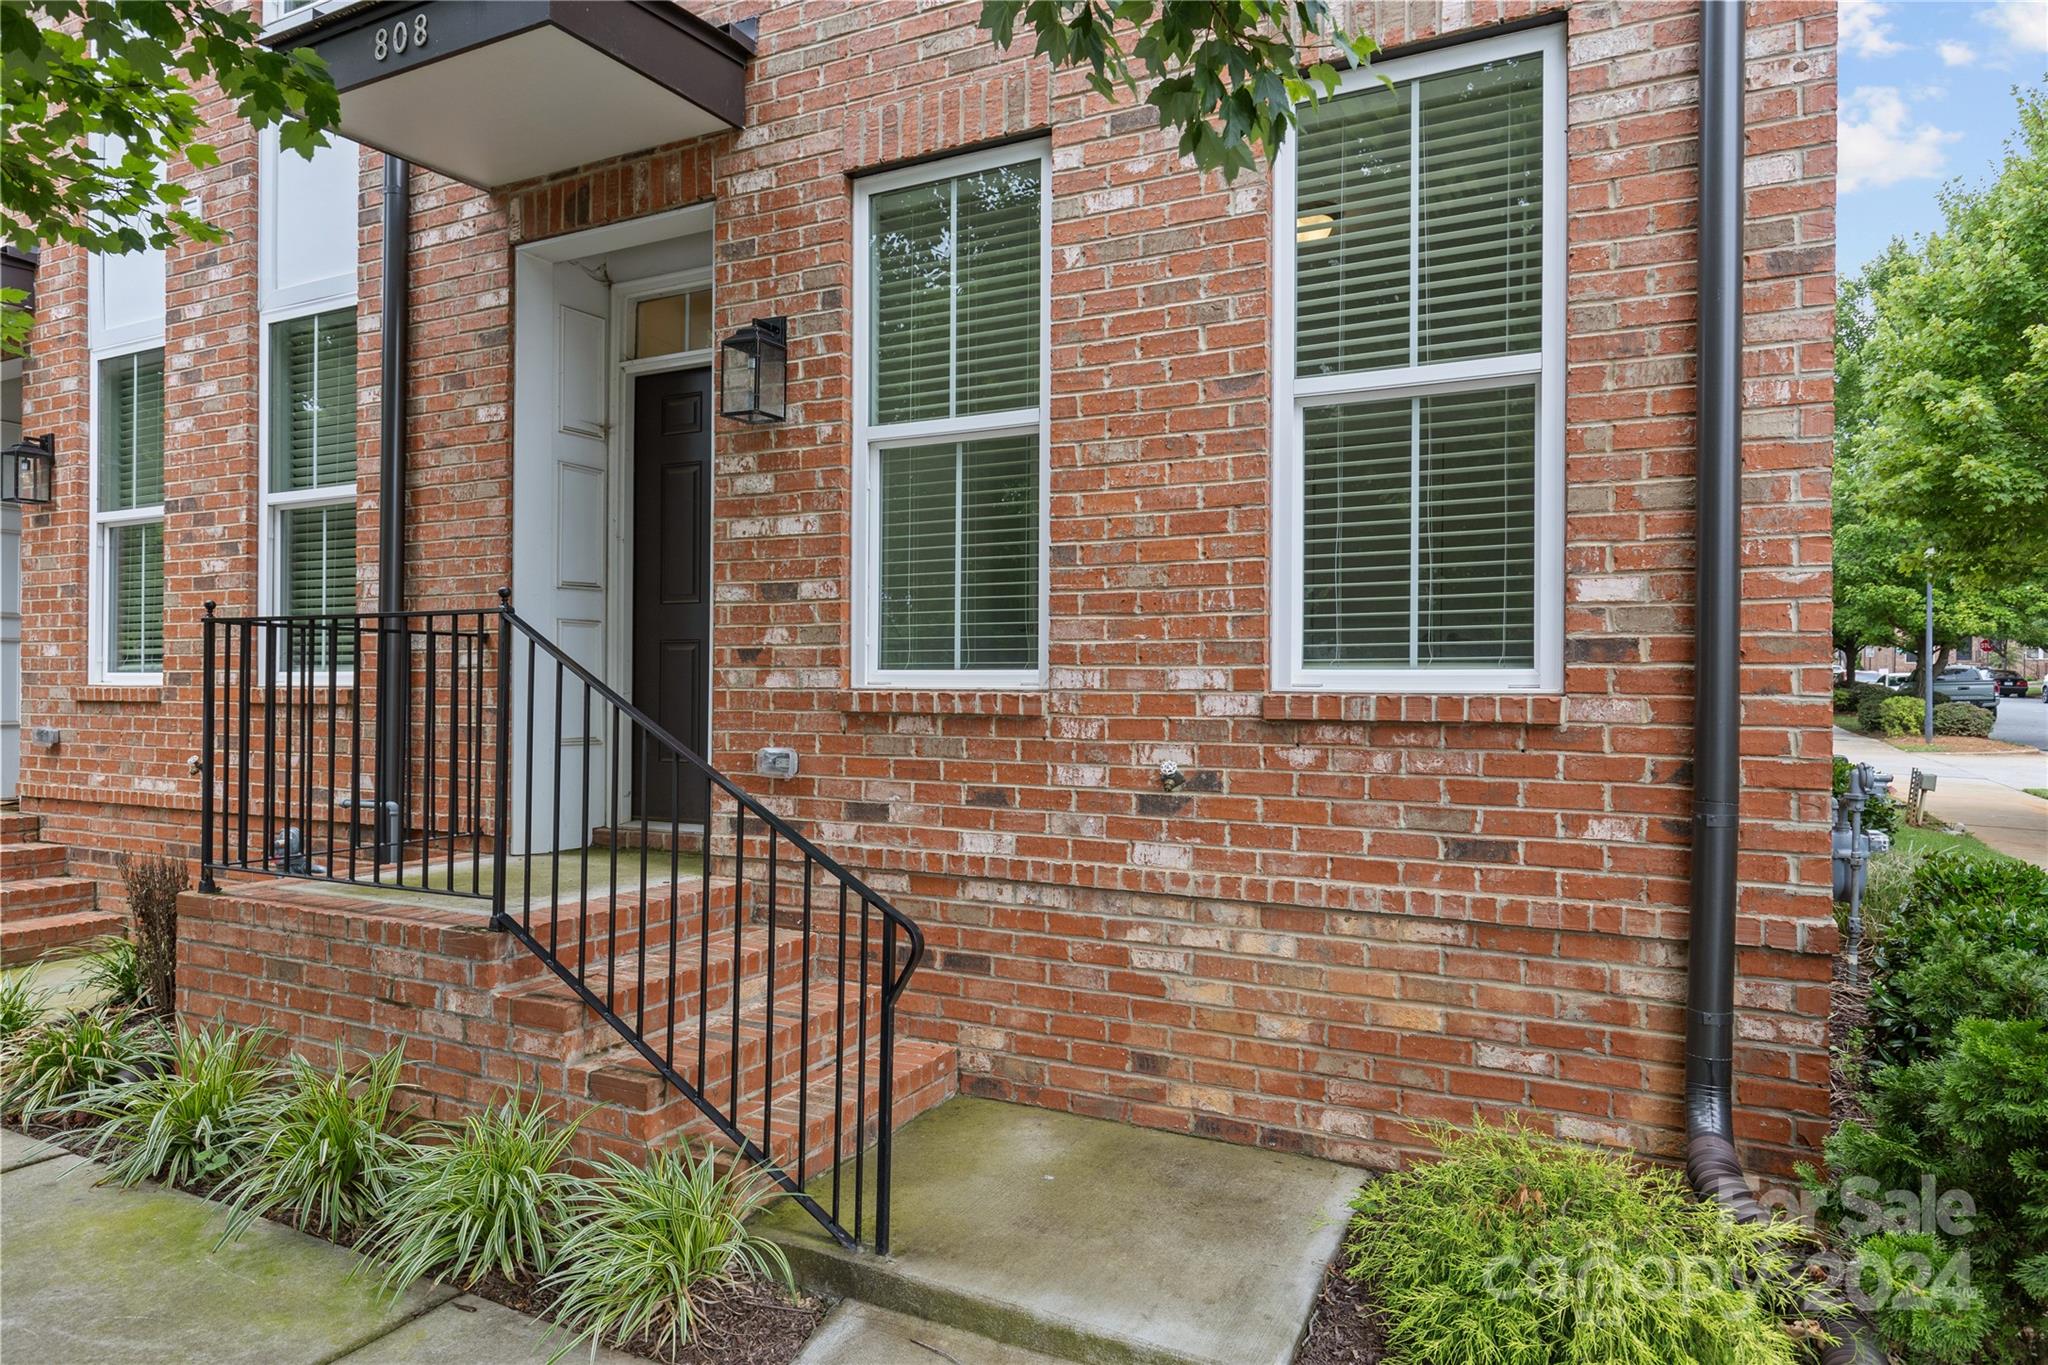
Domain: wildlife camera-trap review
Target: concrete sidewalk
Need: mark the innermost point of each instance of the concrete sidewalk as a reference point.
(1984, 793)
(93, 1275)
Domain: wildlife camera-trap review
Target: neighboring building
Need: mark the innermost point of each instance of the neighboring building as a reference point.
(1248, 626)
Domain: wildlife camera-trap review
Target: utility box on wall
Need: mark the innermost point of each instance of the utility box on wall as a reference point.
(775, 762)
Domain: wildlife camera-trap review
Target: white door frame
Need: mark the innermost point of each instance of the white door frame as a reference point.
(534, 363)
(625, 369)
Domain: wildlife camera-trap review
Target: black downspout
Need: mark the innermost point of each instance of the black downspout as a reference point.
(1711, 1162)
(393, 682)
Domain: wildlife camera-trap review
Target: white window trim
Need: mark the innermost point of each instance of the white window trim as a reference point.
(869, 440)
(1292, 395)
(273, 501)
(99, 617)
(314, 296)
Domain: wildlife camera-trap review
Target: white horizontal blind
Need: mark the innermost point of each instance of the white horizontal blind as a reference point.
(954, 300)
(135, 571)
(313, 417)
(132, 431)
(130, 483)
(313, 470)
(955, 281)
(1419, 243)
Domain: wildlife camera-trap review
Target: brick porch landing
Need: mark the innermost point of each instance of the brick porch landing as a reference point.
(1088, 1240)
(477, 1013)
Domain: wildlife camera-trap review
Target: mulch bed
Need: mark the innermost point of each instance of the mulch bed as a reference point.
(750, 1325)
(1345, 1328)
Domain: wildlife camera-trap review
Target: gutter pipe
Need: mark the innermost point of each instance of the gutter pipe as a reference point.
(1711, 1163)
(393, 681)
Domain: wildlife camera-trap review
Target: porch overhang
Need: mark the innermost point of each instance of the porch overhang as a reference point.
(493, 93)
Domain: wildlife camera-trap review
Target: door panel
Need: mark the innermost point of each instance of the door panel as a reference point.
(672, 579)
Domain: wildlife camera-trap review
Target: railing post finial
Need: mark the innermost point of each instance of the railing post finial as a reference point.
(210, 604)
(505, 599)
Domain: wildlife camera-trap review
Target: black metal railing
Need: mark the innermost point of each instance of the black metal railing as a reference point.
(757, 976)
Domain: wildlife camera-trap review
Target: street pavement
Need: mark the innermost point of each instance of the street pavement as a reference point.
(2022, 720)
(1984, 793)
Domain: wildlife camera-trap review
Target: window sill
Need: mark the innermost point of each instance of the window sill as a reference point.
(1415, 708)
(965, 702)
(100, 694)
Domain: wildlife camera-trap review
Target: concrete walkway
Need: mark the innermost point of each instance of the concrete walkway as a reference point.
(1084, 1240)
(1984, 793)
(93, 1275)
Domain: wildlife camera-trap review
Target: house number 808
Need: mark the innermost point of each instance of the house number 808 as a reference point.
(401, 35)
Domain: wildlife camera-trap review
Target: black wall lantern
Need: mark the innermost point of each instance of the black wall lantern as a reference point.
(30, 471)
(756, 382)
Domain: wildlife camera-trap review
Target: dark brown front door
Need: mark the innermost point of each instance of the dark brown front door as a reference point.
(672, 579)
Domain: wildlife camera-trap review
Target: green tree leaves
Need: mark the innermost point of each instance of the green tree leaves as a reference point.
(1226, 74)
(1955, 370)
(1941, 419)
(77, 76)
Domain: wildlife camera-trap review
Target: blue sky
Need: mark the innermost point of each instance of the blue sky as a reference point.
(1926, 98)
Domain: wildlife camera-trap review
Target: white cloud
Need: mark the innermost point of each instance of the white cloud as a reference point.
(2023, 24)
(1864, 30)
(1956, 54)
(1882, 145)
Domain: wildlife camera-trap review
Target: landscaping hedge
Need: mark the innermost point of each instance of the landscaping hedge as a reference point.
(1953, 1071)
(1897, 715)
(1961, 718)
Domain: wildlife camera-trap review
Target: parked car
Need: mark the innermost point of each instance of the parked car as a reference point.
(1962, 682)
(2007, 683)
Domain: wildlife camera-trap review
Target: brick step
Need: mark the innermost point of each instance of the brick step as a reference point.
(684, 839)
(20, 826)
(926, 1076)
(20, 860)
(623, 1077)
(554, 1021)
(32, 896)
(562, 925)
(22, 940)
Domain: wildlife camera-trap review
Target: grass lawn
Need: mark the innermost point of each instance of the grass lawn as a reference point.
(2041, 792)
(1925, 839)
(1847, 720)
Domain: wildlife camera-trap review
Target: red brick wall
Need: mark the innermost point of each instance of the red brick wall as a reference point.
(1363, 912)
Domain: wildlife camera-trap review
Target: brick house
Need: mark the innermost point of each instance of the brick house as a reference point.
(1247, 627)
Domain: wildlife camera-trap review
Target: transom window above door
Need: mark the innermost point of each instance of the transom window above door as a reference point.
(1419, 377)
(950, 421)
(672, 324)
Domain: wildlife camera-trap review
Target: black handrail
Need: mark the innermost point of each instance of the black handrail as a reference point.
(480, 678)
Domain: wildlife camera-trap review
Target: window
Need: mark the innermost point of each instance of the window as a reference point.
(128, 517)
(1418, 428)
(312, 471)
(950, 425)
(672, 323)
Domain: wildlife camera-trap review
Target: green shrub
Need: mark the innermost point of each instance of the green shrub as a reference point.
(1972, 1118)
(154, 885)
(22, 1006)
(1961, 718)
(194, 1121)
(650, 1242)
(1869, 697)
(112, 970)
(56, 1067)
(486, 1194)
(1845, 699)
(1969, 938)
(326, 1149)
(1957, 1097)
(1516, 1250)
(1897, 715)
